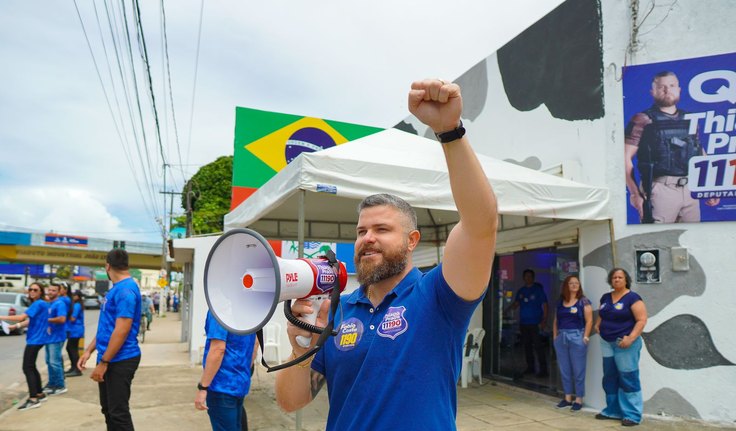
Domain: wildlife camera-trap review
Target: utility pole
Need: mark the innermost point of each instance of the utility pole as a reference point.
(165, 264)
(189, 209)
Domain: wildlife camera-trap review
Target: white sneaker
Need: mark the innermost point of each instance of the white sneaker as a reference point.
(29, 404)
(57, 391)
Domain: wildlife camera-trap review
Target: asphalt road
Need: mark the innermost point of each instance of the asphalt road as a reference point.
(11, 354)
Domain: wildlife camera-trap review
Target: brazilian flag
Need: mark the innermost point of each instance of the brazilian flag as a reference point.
(265, 142)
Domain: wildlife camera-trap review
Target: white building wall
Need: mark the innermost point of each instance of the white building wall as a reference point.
(673, 30)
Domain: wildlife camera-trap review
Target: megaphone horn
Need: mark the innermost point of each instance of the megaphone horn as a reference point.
(244, 281)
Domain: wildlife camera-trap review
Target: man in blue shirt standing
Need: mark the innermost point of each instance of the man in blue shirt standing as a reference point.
(118, 354)
(532, 301)
(397, 357)
(58, 312)
(226, 377)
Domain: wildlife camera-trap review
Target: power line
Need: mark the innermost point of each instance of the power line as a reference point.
(102, 85)
(194, 85)
(171, 93)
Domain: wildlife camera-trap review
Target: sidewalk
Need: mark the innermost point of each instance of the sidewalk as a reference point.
(164, 388)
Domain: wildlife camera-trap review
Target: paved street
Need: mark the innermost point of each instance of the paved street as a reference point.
(12, 380)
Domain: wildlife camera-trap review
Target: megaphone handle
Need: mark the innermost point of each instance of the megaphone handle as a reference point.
(310, 318)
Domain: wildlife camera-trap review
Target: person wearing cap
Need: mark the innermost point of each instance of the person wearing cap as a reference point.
(116, 342)
(399, 314)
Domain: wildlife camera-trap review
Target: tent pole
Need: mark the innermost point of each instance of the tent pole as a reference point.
(614, 255)
(300, 238)
(300, 226)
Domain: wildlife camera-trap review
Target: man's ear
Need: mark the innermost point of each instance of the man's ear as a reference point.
(414, 237)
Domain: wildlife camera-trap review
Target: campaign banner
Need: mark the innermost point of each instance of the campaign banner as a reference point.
(680, 140)
(65, 240)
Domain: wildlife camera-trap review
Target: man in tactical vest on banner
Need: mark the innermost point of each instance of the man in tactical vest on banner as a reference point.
(396, 359)
(660, 138)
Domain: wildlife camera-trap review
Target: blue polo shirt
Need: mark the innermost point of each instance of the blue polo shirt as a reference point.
(57, 331)
(123, 300)
(76, 328)
(571, 317)
(531, 299)
(233, 377)
(38, 314)
(68, 305)
(617, 320)
(399, 363)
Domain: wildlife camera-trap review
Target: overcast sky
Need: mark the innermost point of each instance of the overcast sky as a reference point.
(64, 165)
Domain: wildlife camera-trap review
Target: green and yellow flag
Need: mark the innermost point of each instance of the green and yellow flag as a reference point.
(265, 142)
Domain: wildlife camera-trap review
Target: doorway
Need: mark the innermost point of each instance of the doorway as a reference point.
(507, 358)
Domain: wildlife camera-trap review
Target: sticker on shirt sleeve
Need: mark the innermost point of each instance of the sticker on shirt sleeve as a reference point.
(394, 323)
(351, 331)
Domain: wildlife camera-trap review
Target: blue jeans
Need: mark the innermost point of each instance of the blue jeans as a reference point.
(226, 412)
(571, 355)
(621, 380)
(55, 364)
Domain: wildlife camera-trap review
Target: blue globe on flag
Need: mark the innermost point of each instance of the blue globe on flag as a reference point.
(307, 140)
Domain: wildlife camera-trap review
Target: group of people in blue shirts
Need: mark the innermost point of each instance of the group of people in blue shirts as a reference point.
(621, 320)
(52, 319)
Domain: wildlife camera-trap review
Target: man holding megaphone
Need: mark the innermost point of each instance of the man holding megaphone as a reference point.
(396, 359)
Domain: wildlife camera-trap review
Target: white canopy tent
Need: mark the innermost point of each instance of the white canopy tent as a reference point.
(316, 196)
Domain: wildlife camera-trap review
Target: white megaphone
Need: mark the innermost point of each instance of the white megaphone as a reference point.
(244, 281)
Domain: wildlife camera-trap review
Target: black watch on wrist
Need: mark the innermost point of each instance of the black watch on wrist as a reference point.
(452, 135)
(104, 361)
(202, 388)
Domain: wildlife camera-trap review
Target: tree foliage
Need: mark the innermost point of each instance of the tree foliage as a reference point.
(211, 191)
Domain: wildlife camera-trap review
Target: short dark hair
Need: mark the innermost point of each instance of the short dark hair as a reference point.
(117, 259)
(392, 201)
(662, 74)
(626, 276)
(529, 271)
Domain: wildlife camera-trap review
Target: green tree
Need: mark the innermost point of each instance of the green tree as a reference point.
(211, 193)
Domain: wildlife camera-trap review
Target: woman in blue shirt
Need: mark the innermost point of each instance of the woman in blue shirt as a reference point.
(36, 319)
(621, 320)
(571, 329)
(75, 329)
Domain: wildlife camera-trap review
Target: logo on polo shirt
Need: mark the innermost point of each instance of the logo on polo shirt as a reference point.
(394, 323)
(351, 331)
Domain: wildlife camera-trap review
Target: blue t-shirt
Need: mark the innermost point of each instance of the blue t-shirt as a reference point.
(68, 304)
(76, 327)
(146, 304)
(123, 300)
(38, 314)
(57, 331)
(398, 363)
(531, 299)
(617, 319)
(571, 317)
(233, 377)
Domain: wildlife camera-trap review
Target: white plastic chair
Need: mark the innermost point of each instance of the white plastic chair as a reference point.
(471, 356)
(272, 339)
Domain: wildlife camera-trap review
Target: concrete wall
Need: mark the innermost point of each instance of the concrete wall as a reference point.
(551, 97)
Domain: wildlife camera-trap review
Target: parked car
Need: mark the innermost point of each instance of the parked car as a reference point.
(92, 302)
(12, 304)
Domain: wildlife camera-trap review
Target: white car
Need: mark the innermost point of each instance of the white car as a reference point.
(12, 304)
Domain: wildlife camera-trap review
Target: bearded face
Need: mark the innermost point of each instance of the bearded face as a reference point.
(666, 91)
(374, 263)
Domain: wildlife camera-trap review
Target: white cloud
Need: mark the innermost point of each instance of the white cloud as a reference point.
(58, 209)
